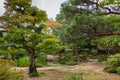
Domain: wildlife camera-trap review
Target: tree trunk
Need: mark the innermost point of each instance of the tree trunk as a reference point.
(76, 53)
(32, 66)
(60, 53)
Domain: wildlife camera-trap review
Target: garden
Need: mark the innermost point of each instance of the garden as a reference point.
(82, 43)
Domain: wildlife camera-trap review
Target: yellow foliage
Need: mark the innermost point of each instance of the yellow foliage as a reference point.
(1, 39)
(6, 73)
(7, 62)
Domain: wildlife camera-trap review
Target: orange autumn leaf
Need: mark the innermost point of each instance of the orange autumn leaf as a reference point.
(51, 23)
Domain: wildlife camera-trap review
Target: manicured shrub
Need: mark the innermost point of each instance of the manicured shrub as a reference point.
(102, 57)
(113, 63)
(110, 70)
(118, 70)
(70, 58)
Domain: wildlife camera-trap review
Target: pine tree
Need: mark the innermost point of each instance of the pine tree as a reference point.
(87, 19)
(24, 24)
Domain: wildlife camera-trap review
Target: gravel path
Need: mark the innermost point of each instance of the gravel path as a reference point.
(56, 73)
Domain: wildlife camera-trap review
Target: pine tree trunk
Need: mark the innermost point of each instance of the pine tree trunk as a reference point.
(32, 66)
(76, 54)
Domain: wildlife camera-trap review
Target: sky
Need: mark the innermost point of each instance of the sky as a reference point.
(52, 7)
(1, 7)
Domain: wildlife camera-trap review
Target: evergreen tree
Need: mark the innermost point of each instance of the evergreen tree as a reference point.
(87, 19)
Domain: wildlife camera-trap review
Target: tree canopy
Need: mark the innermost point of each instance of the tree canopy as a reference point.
(88, 19)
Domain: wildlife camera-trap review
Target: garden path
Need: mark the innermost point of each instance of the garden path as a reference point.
(92, 70)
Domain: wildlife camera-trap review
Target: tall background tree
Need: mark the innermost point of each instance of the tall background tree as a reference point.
(86, 20)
